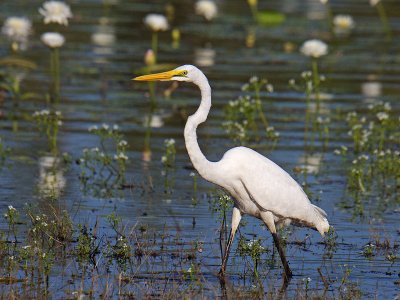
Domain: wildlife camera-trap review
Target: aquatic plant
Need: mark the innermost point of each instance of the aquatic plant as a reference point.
(55, 12)
(383, 17)
(343, 24)
(317, 121)
(194, 198)
(12, 218)
(243, 114)
(87, 246)
(253, 4)
(329, 14)
(315, 49)
(176, 38)
(331, 243)
(54, 41)
(206, 8)
(49, 122)
(103, 170)
(156, 23)
(253, 249)
(4, 152)
(374, 154)
(168, 160)
(17, 30)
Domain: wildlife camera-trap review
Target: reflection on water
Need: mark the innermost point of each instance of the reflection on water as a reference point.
(315, 10)
(153, 120)
(104, 39)
(311, 163)
(371, 90)
(51, 177)
(204, 57)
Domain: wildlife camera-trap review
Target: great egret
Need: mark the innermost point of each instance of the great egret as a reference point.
(259, 187)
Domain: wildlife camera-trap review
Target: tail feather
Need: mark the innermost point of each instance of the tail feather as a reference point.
(321, 211)
(322, 223)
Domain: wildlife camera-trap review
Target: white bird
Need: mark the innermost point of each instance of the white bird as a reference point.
(259, 187)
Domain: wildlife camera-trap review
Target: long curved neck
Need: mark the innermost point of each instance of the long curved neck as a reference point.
(199, 161)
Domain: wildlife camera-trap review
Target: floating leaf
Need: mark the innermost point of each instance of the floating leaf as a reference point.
(270, 18)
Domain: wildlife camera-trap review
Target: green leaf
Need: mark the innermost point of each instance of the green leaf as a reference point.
(270, 18)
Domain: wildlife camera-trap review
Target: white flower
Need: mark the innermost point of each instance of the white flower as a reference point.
(253, 79)
(93, 128)
(206, 8)
(10, 207)
(123, 143)
(105, 126)
(53, 39)
(382, 116)
(374, 2)
(55, 12)
(121, 156)
(156, 22)
(306, 74)
(314, 48)
(323, 1)
(169, 142)
(17, 29)
(344, 22)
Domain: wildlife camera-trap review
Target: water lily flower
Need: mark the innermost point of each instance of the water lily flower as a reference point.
(55, 12)
(156, 22)
(17, 29)
(206, 8)
(53, 39)
(314, 48)
(343, 23)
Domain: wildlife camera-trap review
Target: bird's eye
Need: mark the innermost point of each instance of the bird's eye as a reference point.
(184, 73)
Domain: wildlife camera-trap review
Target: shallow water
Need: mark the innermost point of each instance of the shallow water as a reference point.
(105, 48)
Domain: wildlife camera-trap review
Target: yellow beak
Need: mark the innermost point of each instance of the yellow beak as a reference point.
(159, 76)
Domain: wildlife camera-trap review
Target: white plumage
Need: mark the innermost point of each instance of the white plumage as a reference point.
(260, 187)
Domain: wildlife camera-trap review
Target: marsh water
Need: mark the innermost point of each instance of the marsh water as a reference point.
(105, 46)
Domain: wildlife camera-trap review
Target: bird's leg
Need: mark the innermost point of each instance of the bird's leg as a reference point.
(268, 219)
(236, 216)
(277, 241)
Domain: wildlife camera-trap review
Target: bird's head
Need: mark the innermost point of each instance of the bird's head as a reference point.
(187, 73)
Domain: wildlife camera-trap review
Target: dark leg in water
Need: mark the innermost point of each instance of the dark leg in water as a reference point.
(277, 241)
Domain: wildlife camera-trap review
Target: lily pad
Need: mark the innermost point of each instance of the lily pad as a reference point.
(270, 18)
